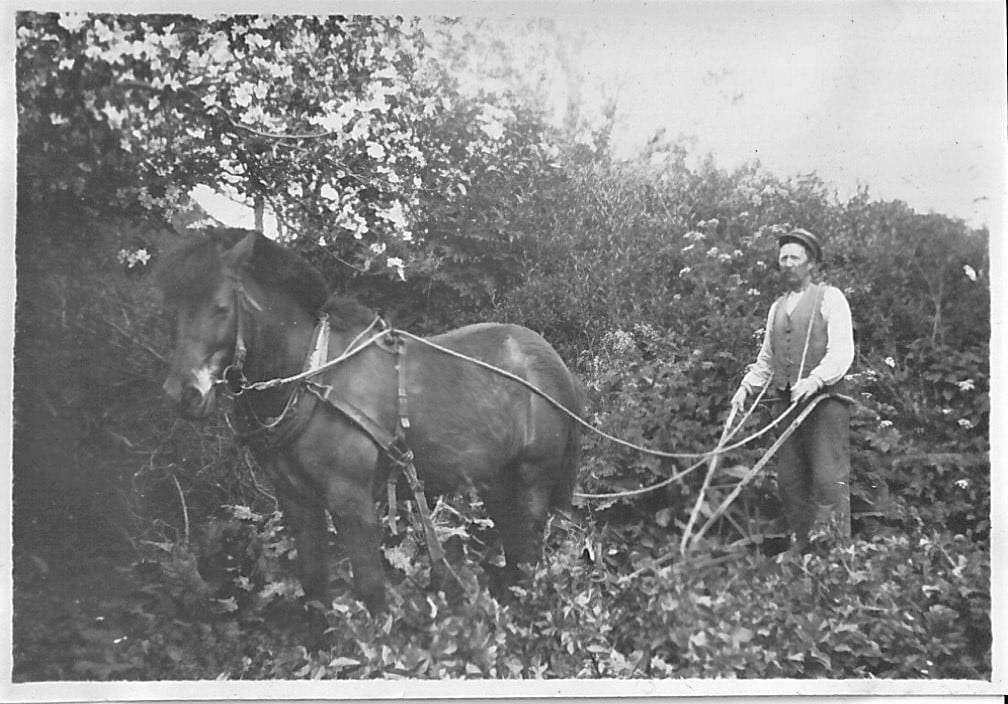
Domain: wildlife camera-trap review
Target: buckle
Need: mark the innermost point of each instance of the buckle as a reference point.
(400, 454)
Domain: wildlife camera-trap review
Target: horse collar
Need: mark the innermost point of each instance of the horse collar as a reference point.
(277, 432)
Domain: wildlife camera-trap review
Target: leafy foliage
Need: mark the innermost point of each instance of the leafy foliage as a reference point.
(899, 606)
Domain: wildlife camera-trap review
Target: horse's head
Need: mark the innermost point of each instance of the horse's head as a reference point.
(204, 296)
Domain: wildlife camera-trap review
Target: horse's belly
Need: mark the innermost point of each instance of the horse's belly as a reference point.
(445, 468)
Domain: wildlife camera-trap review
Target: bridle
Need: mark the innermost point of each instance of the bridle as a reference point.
(233, 377)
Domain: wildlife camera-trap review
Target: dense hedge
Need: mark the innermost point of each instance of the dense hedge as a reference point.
(658, 308)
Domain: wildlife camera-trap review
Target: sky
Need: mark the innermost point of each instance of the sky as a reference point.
(906, 98)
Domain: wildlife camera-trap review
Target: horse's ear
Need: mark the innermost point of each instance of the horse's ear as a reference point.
(240, 254)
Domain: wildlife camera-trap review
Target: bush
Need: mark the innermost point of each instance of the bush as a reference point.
(900, 606)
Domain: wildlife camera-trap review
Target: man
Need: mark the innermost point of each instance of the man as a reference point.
(807, 349)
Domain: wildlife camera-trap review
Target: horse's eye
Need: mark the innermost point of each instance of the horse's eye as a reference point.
(221, 310)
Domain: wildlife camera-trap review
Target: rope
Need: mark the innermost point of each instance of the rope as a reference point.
(763, 460)
(347, 353)
(702, 457)
(564, 409)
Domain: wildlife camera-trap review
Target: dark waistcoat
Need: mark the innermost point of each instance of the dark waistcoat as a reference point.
(789, 333)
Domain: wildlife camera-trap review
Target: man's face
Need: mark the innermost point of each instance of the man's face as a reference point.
(795, 265)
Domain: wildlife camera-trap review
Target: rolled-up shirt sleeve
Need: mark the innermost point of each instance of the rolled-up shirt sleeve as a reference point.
(761, 371)
(840, 339)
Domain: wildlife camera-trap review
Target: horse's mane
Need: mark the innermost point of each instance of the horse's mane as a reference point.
(347, 313)
(193, 269)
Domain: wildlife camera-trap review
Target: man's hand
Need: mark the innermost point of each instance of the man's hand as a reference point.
(804, 389)
(739, 399)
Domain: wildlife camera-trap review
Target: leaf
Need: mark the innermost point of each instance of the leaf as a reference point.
(740, 636)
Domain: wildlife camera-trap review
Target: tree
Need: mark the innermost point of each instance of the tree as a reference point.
(349, 128)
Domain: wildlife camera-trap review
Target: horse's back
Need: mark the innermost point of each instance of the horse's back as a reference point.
(520, 351)
(489, 419)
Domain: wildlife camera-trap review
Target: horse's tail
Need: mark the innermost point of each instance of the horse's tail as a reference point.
(563, 489)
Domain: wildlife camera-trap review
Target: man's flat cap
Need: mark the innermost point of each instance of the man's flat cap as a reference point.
(806, 239)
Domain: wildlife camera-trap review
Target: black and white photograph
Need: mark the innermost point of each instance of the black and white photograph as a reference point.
(592, 348)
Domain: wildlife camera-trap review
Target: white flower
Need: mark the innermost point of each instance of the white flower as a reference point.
(946, 411)
(394, 214)
(970, 272)
(376, 151)
(134, 258)
(962, 483)
(753, 292)
(694, 236)
(890, 362)
(377, 247)
(619, 341)
(885, 424)
(328, 192)
(397, 264)
(759, 333)
(72, 21)
(492, 129)
(965, 423)
(114, 115)
(966, 385)
(242, 95)
(645, 330)
(685, 249)
(685, 270)
(712, 252)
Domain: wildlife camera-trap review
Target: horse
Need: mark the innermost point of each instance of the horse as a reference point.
(246, 309)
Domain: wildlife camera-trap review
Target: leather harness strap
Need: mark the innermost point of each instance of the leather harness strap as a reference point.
(288, 425)
(393, 444)
(395, 447)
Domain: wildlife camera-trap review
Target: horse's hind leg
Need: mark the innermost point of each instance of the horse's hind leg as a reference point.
(519, 506)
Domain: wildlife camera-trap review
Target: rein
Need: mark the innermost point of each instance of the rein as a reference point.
(394, 445)
(234, 381)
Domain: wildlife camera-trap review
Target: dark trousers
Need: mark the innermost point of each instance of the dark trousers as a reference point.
(813, 469)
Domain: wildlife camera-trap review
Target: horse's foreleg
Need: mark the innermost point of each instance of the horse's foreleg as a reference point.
(349, 491)
(310, 526)
(359, 533)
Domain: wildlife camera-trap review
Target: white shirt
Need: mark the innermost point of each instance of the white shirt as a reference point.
(839, 342)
